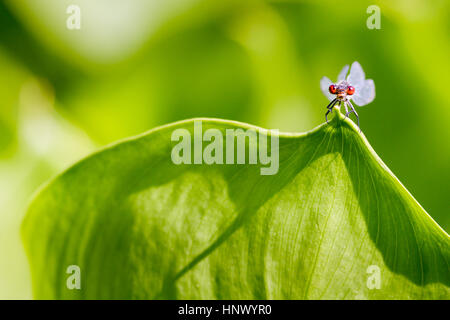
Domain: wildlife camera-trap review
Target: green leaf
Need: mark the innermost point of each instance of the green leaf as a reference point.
(333, 223)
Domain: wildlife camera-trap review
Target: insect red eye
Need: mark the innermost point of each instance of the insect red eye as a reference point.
(332, 89)
(350, 90)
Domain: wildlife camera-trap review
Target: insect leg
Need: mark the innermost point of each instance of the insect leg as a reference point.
(346, 109)
(332, 103)
(330, 107)
(356, 114)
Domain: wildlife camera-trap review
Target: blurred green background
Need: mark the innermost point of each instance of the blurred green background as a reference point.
(136, 64)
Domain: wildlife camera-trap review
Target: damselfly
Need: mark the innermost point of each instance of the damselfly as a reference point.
(354, 87)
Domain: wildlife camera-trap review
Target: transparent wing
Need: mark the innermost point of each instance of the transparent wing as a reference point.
(356, 76)
(343, 73)
(324, 84)
(364, 94)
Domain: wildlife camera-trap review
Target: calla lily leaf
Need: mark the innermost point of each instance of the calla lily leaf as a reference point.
(332, 223)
